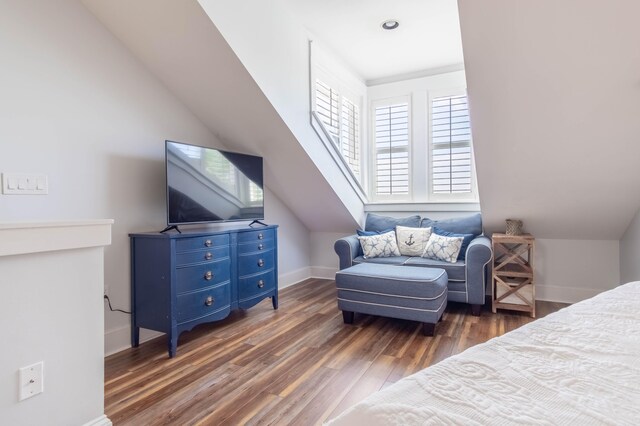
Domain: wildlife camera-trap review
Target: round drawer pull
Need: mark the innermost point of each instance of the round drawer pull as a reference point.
(260, 283)
(208, 256)
(208, 275)
(209, 301)
(261, 236)
(260, 246)
(207, 243)
(260, 263)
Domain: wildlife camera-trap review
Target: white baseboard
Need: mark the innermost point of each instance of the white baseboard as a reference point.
(293, 277)
(119, 339)
(565, 294)
(103, 420)
(325, 272)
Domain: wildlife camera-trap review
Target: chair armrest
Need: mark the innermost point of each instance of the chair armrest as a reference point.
(478, 257)
(347, 249)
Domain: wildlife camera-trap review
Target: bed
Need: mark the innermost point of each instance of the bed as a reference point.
(580, 365)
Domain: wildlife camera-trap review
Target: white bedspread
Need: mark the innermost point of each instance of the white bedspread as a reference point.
(578, 366)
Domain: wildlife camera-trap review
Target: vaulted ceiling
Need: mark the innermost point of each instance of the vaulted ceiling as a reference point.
(554, 91)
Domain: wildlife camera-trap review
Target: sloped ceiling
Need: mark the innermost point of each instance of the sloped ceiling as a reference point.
(177, 41)
(554, 89)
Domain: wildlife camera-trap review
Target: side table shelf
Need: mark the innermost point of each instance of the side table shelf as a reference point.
(513, 284)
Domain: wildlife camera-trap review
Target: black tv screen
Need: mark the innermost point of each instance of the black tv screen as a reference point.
(209, 185)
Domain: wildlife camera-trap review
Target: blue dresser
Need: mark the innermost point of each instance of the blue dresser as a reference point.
(182, 280)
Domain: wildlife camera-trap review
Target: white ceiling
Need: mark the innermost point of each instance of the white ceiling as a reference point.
(428, 37)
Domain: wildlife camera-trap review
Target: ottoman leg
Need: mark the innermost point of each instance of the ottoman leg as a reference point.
(347, 316)
(428, 329)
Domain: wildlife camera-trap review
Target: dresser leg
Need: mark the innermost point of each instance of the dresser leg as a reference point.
(172, 344)
(274, 301)
(135, 336)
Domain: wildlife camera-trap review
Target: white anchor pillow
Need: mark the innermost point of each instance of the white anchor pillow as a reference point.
(383, 245)
(412, 241)
(444, 248)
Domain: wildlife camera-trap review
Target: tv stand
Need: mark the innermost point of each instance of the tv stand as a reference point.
(259, 222)
(182, 280)
(169, 228)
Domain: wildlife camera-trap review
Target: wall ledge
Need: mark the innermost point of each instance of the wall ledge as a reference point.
(36, 237)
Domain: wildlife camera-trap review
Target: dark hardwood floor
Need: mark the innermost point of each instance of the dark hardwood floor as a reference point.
(298, 365)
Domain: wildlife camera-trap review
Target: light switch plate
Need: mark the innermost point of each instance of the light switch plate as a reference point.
(31, 380)
(25, 184)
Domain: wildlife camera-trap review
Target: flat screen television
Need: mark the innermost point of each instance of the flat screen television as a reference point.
(207, 185)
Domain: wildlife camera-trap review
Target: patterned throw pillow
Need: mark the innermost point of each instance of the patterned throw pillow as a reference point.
(383, 245)
(412, 241)
(443, 248)
(465, 242)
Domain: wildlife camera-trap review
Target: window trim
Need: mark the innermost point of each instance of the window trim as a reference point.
(326, 138)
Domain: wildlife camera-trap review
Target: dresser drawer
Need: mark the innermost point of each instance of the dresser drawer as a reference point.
(257, 235)
(199, 276)
(204, 302)
(208, 255)
(207, 241)
(252, 286)
(256, 246)
(254, 263)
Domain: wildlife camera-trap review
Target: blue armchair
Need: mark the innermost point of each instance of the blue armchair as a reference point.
(468, 277)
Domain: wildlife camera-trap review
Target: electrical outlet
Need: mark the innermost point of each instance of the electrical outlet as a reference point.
(31, 380)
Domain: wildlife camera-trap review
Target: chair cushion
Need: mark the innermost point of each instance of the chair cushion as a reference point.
(396, 260)
(455, 271)
(461, 225)
(376, 222)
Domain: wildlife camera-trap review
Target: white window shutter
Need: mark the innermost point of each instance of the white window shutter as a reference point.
(350, 140)
(450, 145)
(392, 149)
(327, 104)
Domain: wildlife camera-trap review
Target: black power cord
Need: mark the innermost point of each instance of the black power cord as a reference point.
(115, 310)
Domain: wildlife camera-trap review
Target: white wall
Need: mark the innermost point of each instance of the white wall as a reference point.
(273, 47)
(574, 270)
(630, 252)
(51, 278)
(77, 106)
(293, 241)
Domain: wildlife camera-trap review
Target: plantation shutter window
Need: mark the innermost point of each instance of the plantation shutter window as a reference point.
(340, 118)
(391, 174)
(451, 145)
(327, 104)
(350, 140)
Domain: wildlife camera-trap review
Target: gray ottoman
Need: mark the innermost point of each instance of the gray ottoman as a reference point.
(412, 293)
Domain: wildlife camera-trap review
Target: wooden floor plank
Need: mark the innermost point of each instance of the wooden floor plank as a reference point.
(297, 365)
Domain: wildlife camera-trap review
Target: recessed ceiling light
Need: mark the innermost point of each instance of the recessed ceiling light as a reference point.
(390, 24)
